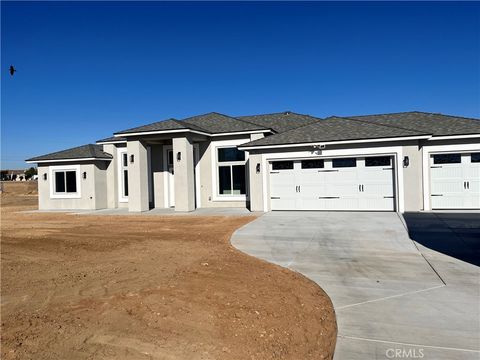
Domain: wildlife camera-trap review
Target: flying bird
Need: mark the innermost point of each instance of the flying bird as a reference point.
(12, 70)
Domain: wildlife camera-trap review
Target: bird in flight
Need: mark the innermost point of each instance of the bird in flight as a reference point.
(12, 70)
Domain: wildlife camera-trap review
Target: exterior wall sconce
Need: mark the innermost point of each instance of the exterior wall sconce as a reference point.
(257, 168)
(406, 161)
(84, 174)
(179, 156)
(132, 158)
(45, 176)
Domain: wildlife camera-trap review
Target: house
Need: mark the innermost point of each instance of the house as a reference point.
(13, 175)
(409, 161)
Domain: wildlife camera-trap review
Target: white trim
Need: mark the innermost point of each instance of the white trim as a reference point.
(120, 152)
(334, 142)
(213, 154)
(159, 132)
(429, 150)
(111, 142)
(241, 133)
(65, 160)
(76, 195)
(453, 137)
(395, 151)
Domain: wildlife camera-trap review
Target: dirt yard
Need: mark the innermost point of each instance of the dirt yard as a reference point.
(148, 287)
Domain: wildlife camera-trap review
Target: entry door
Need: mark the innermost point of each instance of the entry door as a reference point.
(455, 181)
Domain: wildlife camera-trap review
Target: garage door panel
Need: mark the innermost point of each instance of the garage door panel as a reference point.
(349, 186)
(282, 190)
(454, 185)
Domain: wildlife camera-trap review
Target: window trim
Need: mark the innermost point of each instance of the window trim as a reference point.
(65, 195)
(120, 152)
(215, 145)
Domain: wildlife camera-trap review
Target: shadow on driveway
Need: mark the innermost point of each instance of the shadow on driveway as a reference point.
(453, 234)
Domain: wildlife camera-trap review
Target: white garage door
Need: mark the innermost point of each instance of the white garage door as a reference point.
(455, 181)
(333, 184)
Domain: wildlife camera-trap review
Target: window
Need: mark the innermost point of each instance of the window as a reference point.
(230, 154)
(122, 177)
(282, 165)
(475, 157)
(447, 159)
(65, 182)
(312, 164)
(345, 162)
(377, 161)
(125, 174)
(231, 171)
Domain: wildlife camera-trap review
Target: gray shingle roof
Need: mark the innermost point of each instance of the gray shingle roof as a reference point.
(111, 139)
(216, 123)
(80, 152)
(212, 123)
(280, 122)
(334, 129)
(170, 124)
(435, 124)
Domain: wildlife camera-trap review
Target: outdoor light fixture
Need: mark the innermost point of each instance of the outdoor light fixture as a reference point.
(258, 168)
(45, 176)
(406, 161)
(179, 156)
(132, 158)
(84, 174)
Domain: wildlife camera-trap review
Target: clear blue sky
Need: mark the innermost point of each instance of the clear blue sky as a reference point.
(88, 69)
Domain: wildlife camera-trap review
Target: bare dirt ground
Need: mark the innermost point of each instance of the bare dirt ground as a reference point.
(133, 287)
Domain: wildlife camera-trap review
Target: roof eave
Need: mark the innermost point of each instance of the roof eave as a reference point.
(338, 142)
(39, 161)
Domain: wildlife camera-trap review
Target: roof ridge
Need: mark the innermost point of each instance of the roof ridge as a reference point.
(388, 113)
(181, 122)
(387, 125)
(453, 116)
(228, 116)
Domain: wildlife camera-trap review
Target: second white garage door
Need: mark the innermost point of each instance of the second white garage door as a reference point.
(333, 184)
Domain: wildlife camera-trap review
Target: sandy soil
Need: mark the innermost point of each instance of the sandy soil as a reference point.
(131, 287)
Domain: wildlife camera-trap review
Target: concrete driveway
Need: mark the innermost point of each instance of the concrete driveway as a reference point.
(394, 297)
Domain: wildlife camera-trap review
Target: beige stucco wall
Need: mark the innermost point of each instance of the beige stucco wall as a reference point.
(112, 174)
(92, 189)
(412, 178)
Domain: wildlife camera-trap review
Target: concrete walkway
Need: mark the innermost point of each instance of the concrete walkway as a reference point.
(394, 298)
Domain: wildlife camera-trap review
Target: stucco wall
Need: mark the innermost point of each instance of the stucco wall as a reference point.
(91, 195)
(412, 178)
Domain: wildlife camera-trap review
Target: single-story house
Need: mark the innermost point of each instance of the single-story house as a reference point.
(410, 161)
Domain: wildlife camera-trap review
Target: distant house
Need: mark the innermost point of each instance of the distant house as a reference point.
(13, 175)
(411, 161)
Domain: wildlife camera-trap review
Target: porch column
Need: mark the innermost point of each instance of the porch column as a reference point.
(183, 174)
(137, 176)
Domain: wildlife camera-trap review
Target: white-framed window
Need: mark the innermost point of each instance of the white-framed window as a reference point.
(231, 172)
(122, 174)
(65, 182)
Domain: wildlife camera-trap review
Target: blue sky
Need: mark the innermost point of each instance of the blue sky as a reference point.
(88, 69)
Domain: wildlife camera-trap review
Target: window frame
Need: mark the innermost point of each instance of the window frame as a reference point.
(456, 154)
(121, 151)
(216, 196)
(65, 195)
